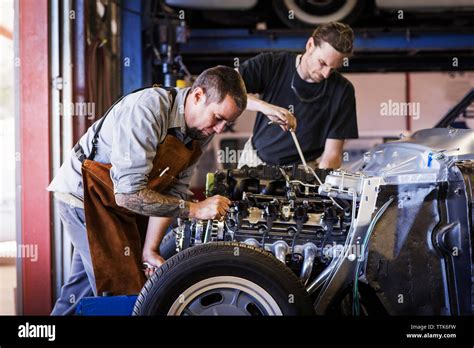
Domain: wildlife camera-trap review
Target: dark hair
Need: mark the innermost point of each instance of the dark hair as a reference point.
(220, 81)
(338, 35)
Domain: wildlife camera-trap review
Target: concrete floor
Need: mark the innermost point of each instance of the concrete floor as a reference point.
(7, 286)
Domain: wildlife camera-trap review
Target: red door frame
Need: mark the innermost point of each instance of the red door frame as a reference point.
(34, 132)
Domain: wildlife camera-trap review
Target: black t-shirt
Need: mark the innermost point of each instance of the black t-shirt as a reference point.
(331, 116)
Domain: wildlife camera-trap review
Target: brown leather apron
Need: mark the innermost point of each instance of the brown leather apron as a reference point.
(114, 232)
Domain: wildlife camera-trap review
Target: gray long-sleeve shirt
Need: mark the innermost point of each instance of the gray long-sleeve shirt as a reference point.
(128, 140)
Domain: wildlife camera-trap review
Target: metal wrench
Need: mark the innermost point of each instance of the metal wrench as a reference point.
(300, 152)
(298, 147)
(307, 168)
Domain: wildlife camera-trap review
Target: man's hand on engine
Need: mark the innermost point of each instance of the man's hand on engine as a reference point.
(213, 207)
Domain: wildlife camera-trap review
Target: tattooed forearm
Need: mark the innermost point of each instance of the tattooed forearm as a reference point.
(151, 203)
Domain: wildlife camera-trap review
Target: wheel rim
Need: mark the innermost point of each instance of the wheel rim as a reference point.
(225, 295)
(313, 18)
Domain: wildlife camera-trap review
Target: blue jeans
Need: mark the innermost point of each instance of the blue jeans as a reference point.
(81, 282)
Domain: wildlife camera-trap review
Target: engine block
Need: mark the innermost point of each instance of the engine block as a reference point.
(278, 209)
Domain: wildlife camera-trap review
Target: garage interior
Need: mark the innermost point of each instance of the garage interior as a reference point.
(65, 62)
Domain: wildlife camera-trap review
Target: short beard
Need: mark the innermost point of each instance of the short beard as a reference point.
(195, 134)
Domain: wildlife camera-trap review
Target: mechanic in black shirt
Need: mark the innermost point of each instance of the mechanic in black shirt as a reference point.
(303, 89)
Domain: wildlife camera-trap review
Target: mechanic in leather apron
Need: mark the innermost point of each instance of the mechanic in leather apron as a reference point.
(113, 231)
(106, 235)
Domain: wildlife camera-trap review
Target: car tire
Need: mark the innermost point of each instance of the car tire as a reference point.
(223, 278)
(306, 14)
(168, 245)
